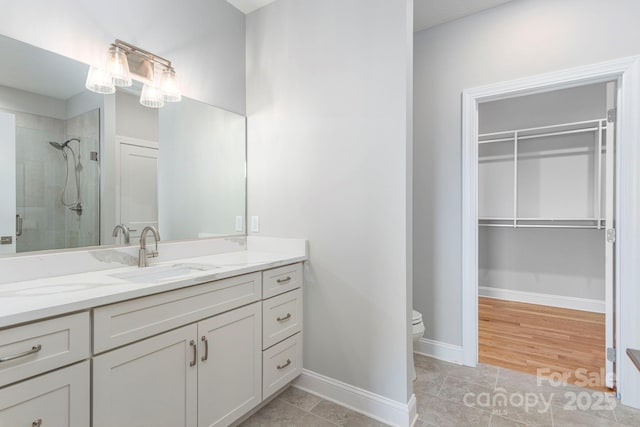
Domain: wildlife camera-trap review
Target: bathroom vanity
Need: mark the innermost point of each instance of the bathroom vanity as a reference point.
(188, 342)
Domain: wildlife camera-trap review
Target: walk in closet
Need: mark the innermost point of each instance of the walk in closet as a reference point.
(546, 198)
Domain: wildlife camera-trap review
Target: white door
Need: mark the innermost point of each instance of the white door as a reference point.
(610, 235)
(151, 383)
(229, 365)
(8, 183)
(138, 187)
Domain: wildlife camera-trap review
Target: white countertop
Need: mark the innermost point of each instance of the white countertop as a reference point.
(36, 299)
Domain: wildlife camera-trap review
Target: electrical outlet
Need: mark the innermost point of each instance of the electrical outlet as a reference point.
(255, 224)
(239, 224)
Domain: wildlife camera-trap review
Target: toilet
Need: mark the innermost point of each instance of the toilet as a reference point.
(417, 330)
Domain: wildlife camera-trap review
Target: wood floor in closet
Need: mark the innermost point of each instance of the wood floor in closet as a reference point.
(528, 337)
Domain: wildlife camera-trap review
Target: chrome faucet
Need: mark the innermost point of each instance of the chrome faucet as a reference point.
(144, 254)
(125, 232)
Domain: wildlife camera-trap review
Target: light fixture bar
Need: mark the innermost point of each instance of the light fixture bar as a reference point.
(129, 48)
(125, 60)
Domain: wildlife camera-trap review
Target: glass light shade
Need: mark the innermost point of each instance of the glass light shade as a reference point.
(100, 81)
(152, 96)
(118, 66)
(169, 87)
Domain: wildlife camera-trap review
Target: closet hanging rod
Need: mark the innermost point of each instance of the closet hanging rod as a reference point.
(538, 219)
(558, 219)
(496, 140)
(542, 127)
(555, 226)
(587, 227)
(565, 132)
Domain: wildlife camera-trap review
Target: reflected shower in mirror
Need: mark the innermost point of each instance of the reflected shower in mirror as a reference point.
(74, 164)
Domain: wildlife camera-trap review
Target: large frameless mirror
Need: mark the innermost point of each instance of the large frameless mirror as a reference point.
(74, 164)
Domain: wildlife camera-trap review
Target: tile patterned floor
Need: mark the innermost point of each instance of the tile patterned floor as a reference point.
(459, 396)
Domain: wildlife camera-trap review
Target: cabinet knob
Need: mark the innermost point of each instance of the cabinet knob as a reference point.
(37, 423)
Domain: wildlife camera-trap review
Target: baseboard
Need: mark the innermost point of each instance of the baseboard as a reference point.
(439, 350)
(584, 304)
(370, 404)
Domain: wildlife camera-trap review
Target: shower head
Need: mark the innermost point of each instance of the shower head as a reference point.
(59, 146)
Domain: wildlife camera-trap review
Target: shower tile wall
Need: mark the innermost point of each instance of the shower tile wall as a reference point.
(40, 174)
(82, 230)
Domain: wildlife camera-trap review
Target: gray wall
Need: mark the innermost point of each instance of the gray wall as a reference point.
(328, 110)
(135, 120)
(519, 39)
(205, 39)
(555, 179)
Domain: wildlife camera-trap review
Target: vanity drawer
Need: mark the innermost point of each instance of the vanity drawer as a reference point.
(281, 317)
(38, 347)
(281, 364)
(281, 279)
(121, 323)
(59, 398)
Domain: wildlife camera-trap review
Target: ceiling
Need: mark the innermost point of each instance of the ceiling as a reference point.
(427, 13)
(248, 6)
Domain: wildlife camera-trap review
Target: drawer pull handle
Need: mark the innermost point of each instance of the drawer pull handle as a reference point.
(287, 363)
(206, 348)
(282, 319)
(285, 280)
(34, 350)
(193, 362)
(37, 423)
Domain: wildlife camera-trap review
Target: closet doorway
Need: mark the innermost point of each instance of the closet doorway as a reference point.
(546, 233)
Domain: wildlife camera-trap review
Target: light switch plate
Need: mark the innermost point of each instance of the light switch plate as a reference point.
(255, 224)
(239, 225)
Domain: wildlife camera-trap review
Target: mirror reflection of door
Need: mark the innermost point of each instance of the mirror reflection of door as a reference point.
(138, 187)
(8, 219)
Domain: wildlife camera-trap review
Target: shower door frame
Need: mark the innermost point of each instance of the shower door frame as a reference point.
(626, 72)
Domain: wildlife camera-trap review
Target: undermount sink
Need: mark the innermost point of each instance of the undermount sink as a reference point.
(161, 273)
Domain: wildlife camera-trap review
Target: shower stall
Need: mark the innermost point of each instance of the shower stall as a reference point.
(57, 181)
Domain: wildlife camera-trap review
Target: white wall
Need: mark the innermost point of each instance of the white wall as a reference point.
(32, 103)
(521, 38)
(328, 105)
(205, 39)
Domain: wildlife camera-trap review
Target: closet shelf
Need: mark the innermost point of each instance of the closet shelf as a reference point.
(543, 131)
(589, 223)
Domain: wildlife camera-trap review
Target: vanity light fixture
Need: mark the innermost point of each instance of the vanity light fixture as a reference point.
(126, 62)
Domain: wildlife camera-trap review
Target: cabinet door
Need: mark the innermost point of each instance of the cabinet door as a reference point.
(229, 365)
(151, 383)
(60, 399)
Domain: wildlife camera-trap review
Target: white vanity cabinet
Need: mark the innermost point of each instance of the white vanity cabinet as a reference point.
(282, 327)
(207, 373)
(197, 356)
(58, 398)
